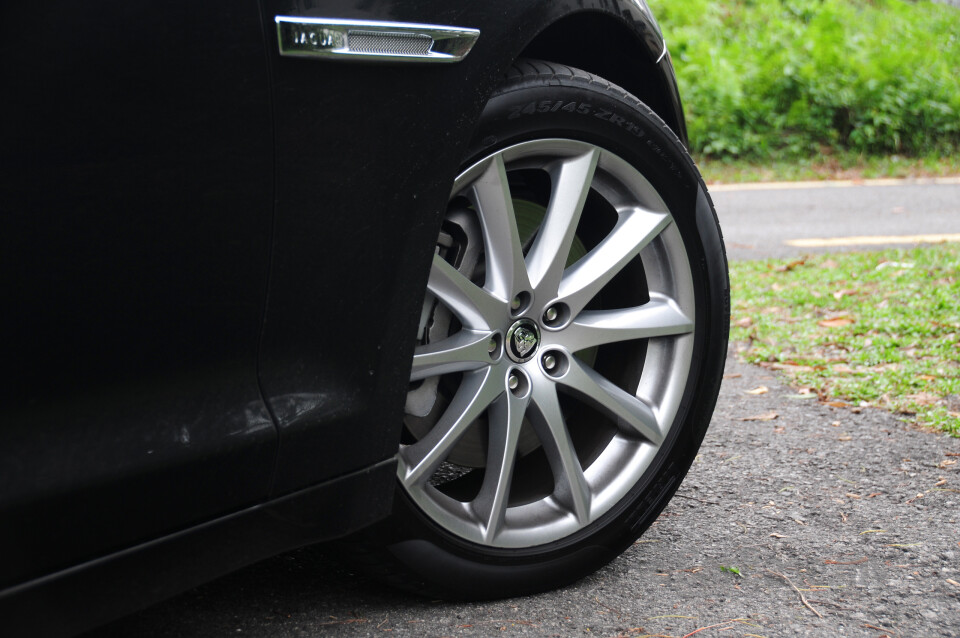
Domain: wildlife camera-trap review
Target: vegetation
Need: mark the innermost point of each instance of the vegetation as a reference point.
(859, 329)
(785, 79)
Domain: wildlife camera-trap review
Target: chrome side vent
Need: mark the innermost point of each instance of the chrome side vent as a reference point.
(396, 41)
(372, 43)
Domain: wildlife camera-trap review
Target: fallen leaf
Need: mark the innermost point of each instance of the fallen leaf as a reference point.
(790, 266)
(946, 463)
(768, 416)
(837, 404)
(841, 369)
(840, 294)
(873, 531)
(735, 375)
(922, 398)
(759, 390)
(746, 322)
(894, 264)
(926, 377)
(852, 495)
(852, 562)
(779, 536)
(829, 264)
(835, 323)
(790, 367)
(844, 438)
(953, 582)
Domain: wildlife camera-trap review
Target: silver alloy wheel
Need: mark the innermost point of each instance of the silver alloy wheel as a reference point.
(534, 292)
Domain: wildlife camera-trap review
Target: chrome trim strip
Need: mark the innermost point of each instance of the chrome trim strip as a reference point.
(371, 40)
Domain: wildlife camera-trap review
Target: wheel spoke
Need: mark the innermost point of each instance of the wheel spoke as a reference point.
(490, 194)
(421, 460)
(547, 417)
(632, 415)
(461, 352)
(505, 421)
(659, 317)
(475, 307)
(548, 255)
(636, 228)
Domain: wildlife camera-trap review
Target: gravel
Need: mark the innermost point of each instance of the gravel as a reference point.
(855, 513)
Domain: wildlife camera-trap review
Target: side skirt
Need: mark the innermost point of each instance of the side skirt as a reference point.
(86, 595)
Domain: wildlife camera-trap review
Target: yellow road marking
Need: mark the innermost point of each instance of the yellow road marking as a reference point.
(839, 183)
(875, 240)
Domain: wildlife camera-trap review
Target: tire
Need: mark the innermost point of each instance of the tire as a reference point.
(571, 345)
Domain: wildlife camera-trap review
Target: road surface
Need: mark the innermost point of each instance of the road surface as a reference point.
(757, 221)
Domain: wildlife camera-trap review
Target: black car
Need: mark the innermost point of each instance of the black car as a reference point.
(438, 279)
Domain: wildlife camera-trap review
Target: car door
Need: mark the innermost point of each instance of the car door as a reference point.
(136, 194)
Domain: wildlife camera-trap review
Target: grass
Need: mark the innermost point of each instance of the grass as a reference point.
(845, 165)
(783, 79)
(875, 329)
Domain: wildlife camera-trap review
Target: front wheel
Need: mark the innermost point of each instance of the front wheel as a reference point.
(570, 347)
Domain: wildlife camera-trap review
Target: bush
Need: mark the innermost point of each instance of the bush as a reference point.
(768, 79)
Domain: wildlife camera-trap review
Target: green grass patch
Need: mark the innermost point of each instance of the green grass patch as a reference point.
(845, 165)
(879, 329)
(782, 79)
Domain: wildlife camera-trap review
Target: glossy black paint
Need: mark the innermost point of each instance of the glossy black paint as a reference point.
(136, 194)
(213, 262)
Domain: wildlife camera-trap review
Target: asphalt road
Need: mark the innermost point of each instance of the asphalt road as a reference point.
(757, 222)
(858, 513)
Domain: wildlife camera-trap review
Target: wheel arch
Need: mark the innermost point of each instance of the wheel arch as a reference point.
(603, 44)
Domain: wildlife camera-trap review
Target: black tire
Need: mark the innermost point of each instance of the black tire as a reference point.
(418, 551)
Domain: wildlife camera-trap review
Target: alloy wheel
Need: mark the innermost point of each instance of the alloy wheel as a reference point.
(554, 346)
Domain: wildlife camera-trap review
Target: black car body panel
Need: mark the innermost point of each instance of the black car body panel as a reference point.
(136, 191)
(214, 261)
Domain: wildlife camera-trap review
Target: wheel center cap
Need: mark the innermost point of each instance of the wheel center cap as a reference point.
(523, 338)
